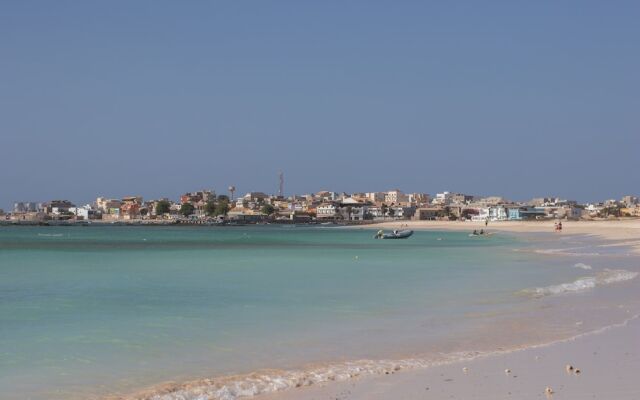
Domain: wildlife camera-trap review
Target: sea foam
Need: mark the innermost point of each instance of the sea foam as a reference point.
(570, 251)
(605, 277)
(271, 381)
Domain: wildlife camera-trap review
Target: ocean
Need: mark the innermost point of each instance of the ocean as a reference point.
(91, 312)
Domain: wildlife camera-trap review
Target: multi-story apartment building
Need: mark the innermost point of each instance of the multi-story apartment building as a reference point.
(326, 211)
(442, 199)
(630, 201)
(26, 206)
(57, 207)
(418, 199)
(461, 198)
(107, 206)
(394, 197)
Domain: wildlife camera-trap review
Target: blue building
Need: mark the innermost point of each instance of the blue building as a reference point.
(520, 213)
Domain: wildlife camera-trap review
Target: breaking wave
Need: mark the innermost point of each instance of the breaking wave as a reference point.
(571, 251)
(605, 277)
(582, 266)
(270, 381)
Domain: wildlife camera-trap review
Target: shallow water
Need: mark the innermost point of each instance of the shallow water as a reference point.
(104, 310)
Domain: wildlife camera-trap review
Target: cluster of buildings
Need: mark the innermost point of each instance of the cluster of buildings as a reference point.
(323, 206)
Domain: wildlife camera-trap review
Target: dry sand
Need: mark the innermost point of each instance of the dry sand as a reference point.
(608, 360)
(620, 232)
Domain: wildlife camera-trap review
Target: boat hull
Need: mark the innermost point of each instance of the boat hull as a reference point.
(399, 235)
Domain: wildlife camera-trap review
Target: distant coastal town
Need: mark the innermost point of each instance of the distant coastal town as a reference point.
(208, 207)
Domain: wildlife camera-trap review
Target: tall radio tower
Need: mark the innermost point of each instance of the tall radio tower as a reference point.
(281, 188)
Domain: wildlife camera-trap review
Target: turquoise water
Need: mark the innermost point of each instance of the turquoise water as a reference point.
(103, 310)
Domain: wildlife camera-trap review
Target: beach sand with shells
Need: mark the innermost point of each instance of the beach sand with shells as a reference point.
(598, 365)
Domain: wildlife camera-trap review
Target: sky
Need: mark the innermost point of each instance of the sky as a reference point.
(157, 98)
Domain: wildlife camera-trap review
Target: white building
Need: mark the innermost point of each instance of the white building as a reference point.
(443, 198)
(494, 213)
(354, 213)
(483, 214)
(630, 201)
(240, 202)
(326, 196)
(401, 212)
(593, 209)
(26, 206)
(498, 213)
(375, 197)
(82, 212)
(326, 211)
(375, 212)
(394, 197)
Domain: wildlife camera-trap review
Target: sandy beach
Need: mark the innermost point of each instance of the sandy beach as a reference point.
(605, 366)
(601, 364)
(619, 232)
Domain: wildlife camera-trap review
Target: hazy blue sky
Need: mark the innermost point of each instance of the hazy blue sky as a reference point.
(158, 98)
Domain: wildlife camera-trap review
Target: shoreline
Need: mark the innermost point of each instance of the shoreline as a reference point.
(594, 364)
(607, 359)
(404, 378)
(410, 378)
(622, 232)
(322, 379)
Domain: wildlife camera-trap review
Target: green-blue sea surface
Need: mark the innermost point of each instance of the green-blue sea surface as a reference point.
(106, 309)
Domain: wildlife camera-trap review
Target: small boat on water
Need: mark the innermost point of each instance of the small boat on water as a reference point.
(394, 235)
(482, 233)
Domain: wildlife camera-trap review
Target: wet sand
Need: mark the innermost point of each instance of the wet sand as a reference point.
(605, 366)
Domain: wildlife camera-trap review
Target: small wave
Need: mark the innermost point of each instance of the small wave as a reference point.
(565, 252)
(619, 244)
(582, 266)
(271, 381)
(50, 234)
(605, 277)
